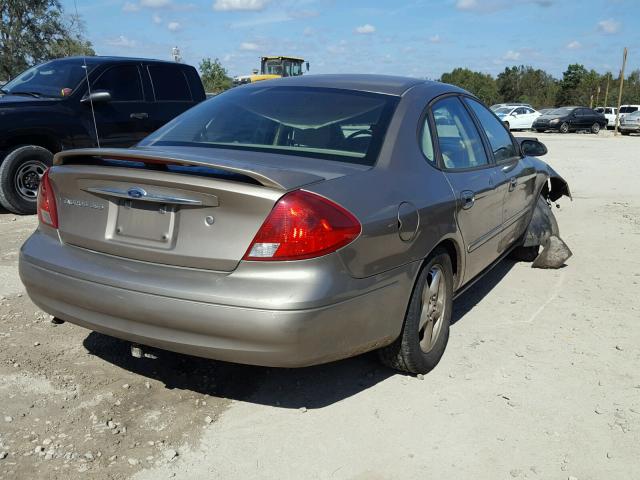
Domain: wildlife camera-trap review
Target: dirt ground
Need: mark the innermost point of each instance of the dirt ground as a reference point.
(541, 378)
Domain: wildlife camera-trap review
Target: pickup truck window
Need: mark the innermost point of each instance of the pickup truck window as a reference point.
(169, 83)
(123, 82)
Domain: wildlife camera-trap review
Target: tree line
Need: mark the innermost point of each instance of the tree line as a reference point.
(526, 84)
(33, 31)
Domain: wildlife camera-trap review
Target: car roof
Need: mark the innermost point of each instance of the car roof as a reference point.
(110, 59)
(385, 84)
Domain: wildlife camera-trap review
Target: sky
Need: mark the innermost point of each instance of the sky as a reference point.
(418, 38)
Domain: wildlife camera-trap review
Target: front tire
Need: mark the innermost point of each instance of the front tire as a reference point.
(564, 128)
(540, 130)
(425, 331)
(20, 174)
(625, 133)
(595, 128)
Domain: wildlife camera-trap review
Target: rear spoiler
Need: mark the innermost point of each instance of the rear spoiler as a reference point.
(266, 176)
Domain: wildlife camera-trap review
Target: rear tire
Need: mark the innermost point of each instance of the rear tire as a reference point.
(20, 174)
(595, 128)
(625, 133)
(540, 130)
(425, 331)
(564, 128)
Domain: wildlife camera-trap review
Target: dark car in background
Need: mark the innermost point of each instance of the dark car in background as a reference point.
(48, 108)
(570, 119)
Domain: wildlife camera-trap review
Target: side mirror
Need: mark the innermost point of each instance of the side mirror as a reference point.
(533, 148)
(97, 96)
(307, 64)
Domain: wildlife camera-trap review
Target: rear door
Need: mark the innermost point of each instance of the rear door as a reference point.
(472, 175)
(171, 91)
(516, 177)
(520, 120)
(124, 120)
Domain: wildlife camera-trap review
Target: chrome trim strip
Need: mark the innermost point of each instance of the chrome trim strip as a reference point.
(148, 197)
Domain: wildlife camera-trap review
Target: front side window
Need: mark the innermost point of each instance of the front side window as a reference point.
(459, 141)
(123, 83)
(326, 123)
(169, 83)
(500, 140)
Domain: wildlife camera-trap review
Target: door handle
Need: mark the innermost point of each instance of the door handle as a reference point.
(468, 199)
(139, 116)
(513, 182)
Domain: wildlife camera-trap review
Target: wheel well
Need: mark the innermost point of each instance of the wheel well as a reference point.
(454, 254)
(43, 141)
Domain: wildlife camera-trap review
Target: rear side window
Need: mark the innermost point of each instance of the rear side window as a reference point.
(628, 109)
(459, 141)
(169, 83)
(500, 140)
(123, 82)
(426, 142)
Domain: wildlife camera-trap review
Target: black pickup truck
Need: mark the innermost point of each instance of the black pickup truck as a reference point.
(48, 108)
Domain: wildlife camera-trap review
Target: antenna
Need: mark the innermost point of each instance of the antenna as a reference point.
(86, 76)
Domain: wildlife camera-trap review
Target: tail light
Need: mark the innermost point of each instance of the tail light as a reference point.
(303, 225)
(47, 211)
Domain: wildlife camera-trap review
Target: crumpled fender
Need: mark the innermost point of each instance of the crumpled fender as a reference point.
(543, 230)
(557, 186)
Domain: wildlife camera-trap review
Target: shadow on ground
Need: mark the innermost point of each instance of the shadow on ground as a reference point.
(311, 387)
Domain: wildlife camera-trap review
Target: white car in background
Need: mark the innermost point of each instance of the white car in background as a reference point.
(627, 109)
(517, 117)
(609, 113)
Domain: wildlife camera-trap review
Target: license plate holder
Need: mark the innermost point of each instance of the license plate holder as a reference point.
(144, 222)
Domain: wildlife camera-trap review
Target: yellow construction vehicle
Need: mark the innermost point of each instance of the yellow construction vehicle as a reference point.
(274, 67)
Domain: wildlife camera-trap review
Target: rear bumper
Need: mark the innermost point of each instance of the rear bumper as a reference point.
(321, 327)
(629, 128)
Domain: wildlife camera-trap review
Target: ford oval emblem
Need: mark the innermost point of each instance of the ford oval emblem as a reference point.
(136, 192)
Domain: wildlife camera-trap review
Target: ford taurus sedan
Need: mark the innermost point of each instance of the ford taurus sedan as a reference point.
(292, 222)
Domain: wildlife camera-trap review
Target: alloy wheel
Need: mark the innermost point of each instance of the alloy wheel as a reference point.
(434, 303)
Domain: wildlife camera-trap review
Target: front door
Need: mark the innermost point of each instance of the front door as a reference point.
(515, 179)
(123, 121)
(472, 176)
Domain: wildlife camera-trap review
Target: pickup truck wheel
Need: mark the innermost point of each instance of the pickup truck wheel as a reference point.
(20, 174)
(425, 331)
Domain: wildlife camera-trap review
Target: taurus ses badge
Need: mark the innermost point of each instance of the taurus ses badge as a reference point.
(136, 192)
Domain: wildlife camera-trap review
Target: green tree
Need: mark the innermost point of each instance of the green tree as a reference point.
(214, 76)
(32, 31)
(481, 85)
(528, 85)
(572, 86)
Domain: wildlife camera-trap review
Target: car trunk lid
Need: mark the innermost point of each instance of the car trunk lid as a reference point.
(173, 208)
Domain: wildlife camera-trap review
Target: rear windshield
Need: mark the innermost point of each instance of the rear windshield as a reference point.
(628, 109)
(333, 124)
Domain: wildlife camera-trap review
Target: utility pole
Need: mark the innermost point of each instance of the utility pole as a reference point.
(606, 93)
(624, 63)
(175, 53)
